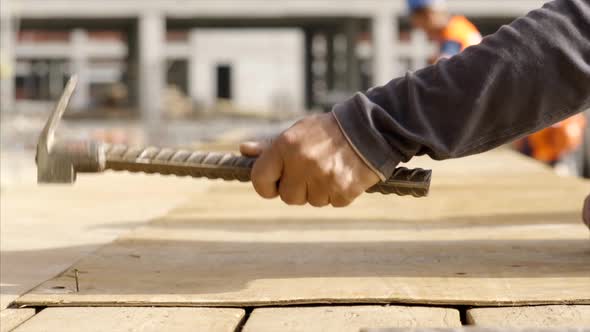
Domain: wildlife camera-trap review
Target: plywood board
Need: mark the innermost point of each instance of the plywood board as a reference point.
(348, 319)
(11, 318)
(45, 229)
(540, 316)
(514, 239)
(134, 320)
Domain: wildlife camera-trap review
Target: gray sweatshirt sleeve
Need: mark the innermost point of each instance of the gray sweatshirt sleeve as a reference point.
(527, 76)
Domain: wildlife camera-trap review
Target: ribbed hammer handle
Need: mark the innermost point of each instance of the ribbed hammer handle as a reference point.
(230, 167)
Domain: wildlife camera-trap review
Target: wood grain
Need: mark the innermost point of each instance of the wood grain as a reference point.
(541, 316)
(348, 319)
(45, 229)
(134, 320)
(11, 318)
(487, 236)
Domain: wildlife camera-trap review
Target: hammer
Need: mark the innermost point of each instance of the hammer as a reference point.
(59, 160)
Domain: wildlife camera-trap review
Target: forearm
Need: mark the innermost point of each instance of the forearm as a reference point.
(528, 75)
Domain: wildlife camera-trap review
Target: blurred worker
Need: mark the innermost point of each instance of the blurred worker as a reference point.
(525, 77)
(453, 33)
(555, 145)
(558, 144)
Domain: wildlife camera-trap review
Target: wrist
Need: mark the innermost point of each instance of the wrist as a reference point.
(353, 118)
(360, 155)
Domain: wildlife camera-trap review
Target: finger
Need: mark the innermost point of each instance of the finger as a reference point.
(339, 201)
(316, 195)
(253, 149)
(266, 172)
(293, 192)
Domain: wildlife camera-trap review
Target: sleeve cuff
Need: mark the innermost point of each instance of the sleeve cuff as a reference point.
(353, 119)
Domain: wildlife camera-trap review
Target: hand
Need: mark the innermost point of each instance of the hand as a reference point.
(311, 162)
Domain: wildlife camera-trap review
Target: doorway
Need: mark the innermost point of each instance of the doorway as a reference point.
(224, 82)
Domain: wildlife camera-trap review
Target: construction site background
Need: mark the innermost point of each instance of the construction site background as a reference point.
(207, 72)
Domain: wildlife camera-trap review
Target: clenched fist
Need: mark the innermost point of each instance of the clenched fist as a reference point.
(311, 162)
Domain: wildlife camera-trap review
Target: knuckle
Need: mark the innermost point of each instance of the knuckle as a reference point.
(267, 195)
(325, 173)
(262, 188)
(347, 188)
(264, 191)
(318, 203)
(344, 194)
(286, 200)
(288, 139)
(333, 177)
(341, 202)
(340, 186)
(289, 200)
(308, 158)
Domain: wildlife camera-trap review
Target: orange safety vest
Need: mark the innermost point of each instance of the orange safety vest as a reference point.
(461, 31)
(551, 144)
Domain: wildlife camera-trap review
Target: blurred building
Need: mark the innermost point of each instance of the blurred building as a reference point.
(254, 69)
(256, 55)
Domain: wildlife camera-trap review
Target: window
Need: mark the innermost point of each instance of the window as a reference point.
(224, 83)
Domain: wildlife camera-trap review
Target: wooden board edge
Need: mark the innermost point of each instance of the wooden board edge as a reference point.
(30, 301)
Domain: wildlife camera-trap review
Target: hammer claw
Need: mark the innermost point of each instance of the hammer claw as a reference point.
(48, 134)
(59, 160)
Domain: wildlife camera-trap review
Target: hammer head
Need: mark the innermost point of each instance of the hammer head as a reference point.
(58, 161)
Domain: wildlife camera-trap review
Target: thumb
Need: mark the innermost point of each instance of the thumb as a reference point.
(253, 149)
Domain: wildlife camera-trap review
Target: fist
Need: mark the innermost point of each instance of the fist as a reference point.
(311, 162)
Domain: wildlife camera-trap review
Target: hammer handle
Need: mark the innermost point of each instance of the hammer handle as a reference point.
(229, 167)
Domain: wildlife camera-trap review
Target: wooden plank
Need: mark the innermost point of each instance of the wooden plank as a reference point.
(343, 319)
(45, 229)
(508, 240)
(11, 318)
(134, 320)
(541, 316)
